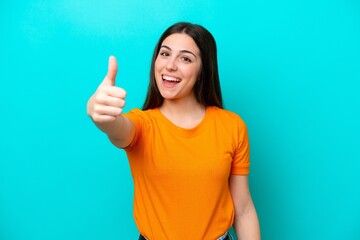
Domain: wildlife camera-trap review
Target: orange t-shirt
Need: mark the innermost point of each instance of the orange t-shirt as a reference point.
(181, 176)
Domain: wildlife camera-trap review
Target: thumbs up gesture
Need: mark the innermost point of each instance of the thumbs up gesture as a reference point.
(108, 101)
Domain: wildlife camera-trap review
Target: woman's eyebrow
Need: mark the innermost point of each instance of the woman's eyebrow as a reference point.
(182, 51)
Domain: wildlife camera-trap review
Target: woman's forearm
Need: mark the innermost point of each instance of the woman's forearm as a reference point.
(120, 132)
(247, 225)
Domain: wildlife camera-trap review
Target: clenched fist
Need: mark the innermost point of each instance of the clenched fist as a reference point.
(108, 101)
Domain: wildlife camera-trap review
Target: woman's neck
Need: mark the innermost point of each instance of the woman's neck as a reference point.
(185, 114)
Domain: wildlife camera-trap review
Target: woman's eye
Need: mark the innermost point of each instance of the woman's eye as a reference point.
(165, 54)
(186, 59)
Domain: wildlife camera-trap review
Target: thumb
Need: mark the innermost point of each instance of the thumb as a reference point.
(112, 71)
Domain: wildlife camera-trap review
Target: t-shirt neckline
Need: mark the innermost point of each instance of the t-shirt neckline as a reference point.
(185, 132)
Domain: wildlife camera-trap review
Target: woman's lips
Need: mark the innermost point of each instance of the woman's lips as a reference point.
(170, 81)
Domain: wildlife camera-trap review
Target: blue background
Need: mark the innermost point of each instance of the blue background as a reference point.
(291, 69)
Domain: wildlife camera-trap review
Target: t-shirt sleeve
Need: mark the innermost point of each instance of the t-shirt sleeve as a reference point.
(135, 116)
(241, 159)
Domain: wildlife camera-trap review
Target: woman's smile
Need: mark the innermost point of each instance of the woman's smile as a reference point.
(170, 81)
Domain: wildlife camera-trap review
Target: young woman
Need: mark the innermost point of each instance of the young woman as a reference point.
(188, 156)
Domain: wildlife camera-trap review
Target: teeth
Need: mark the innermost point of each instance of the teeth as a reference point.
(171, 79)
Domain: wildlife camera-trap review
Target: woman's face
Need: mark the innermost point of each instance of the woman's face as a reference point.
(177, 67)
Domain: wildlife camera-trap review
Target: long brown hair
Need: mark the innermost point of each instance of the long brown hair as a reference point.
(207, 88)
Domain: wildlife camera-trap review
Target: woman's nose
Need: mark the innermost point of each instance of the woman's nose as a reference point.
(171, 64)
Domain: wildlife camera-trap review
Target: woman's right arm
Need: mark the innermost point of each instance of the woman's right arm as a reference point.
(105, 108)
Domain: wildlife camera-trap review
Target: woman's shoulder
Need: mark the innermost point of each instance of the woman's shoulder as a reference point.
(225, 114)
(227, 122)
